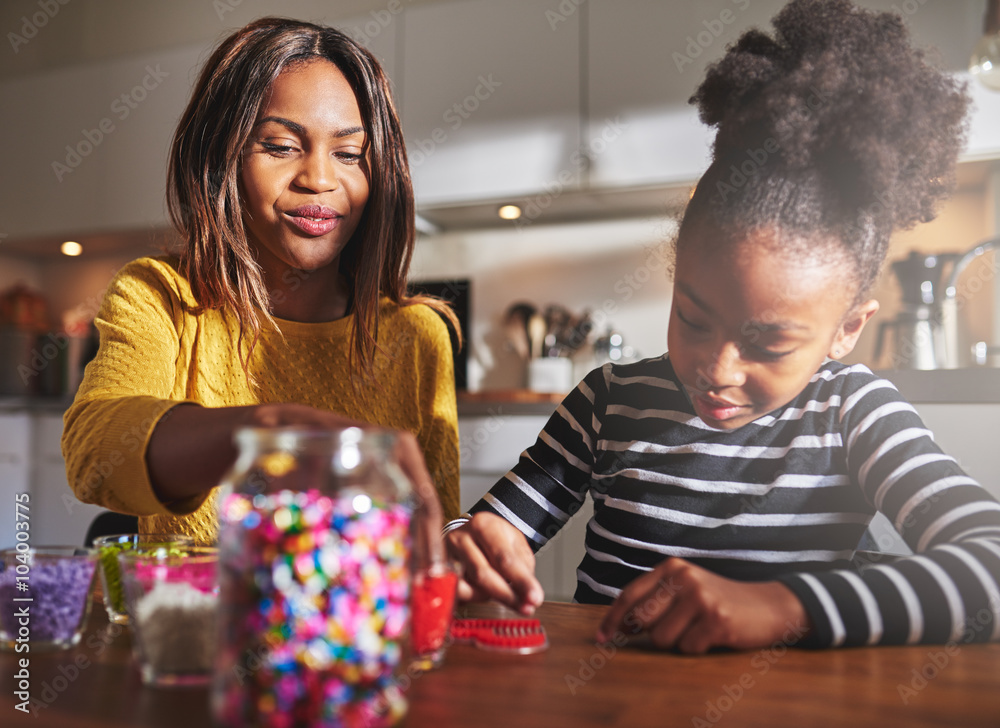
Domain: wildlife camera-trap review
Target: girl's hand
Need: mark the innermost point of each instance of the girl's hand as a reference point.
(686, 607)
(497, 563)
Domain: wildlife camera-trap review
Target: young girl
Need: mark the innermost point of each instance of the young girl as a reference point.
(289, 183)
(734, 476)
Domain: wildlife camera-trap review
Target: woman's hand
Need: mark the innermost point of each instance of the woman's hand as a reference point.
(408, 452)
(497, 563)
(191, 448)
(686, 607)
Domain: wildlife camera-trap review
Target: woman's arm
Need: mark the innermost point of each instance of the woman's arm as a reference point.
(191, 447)
(132, 442)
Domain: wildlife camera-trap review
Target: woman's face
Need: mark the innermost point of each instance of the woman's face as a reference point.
(750, 324)
(304, 181)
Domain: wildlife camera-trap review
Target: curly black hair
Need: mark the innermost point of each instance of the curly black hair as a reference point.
(834, 128)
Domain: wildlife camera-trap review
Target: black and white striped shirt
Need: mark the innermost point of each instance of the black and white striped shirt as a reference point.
(785, 497)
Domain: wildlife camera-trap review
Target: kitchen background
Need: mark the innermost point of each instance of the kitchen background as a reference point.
(575, 110)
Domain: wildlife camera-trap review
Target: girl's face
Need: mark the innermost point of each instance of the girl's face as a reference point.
(749, 325)
(304, 180)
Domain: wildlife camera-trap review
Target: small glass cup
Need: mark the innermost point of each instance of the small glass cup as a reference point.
(108, 548)
(432, 605)
(172, 601)
(51, 608)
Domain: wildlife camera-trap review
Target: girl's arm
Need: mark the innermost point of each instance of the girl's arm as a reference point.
(533, 501)
(949, 590)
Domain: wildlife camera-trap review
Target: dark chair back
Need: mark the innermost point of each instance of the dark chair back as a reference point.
(109, 523)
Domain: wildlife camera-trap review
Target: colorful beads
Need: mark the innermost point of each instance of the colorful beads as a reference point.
(315, 595)
(58, 588)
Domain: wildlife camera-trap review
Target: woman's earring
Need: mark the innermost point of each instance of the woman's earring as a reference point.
(836, 352)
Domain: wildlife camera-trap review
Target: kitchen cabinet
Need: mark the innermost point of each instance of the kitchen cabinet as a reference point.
(99, 136)
(31, 462)
(512, 98)
(644, 62)
(15, 472)
(490, 99)
(646, 58)
(59, 517)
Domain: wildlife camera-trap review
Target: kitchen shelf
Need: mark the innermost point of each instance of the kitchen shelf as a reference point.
(972, 385)
(507, 401)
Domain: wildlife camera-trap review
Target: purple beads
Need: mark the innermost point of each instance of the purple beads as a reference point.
(58, 587)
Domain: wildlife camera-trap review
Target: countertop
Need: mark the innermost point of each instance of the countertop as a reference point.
(574, 682)
(497, 402)
(972, 385)
(34, 404)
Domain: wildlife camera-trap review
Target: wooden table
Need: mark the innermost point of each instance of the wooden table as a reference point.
(574, 683)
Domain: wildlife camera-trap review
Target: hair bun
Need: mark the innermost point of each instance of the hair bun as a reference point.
(842, 91)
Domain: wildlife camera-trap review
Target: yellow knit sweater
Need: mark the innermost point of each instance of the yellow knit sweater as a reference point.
(155, 354)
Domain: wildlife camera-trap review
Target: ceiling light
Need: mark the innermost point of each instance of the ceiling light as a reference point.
(71, 248)
(985, 61)
(509, 212)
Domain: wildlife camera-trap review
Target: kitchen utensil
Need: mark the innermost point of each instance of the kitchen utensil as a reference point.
(520, 636)
(516, 327)
(611, 347)
(950, 303)
(537, 329)
(558, 324)
(919, 339)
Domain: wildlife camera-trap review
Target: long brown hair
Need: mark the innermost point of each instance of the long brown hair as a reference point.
(203, 181)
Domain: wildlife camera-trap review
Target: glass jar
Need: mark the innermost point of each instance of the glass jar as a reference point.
(314, 557)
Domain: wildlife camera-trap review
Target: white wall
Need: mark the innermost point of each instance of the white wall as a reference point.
(618, 270)
(15, 270)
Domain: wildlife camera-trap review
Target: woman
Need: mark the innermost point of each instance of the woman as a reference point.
(289, 184)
